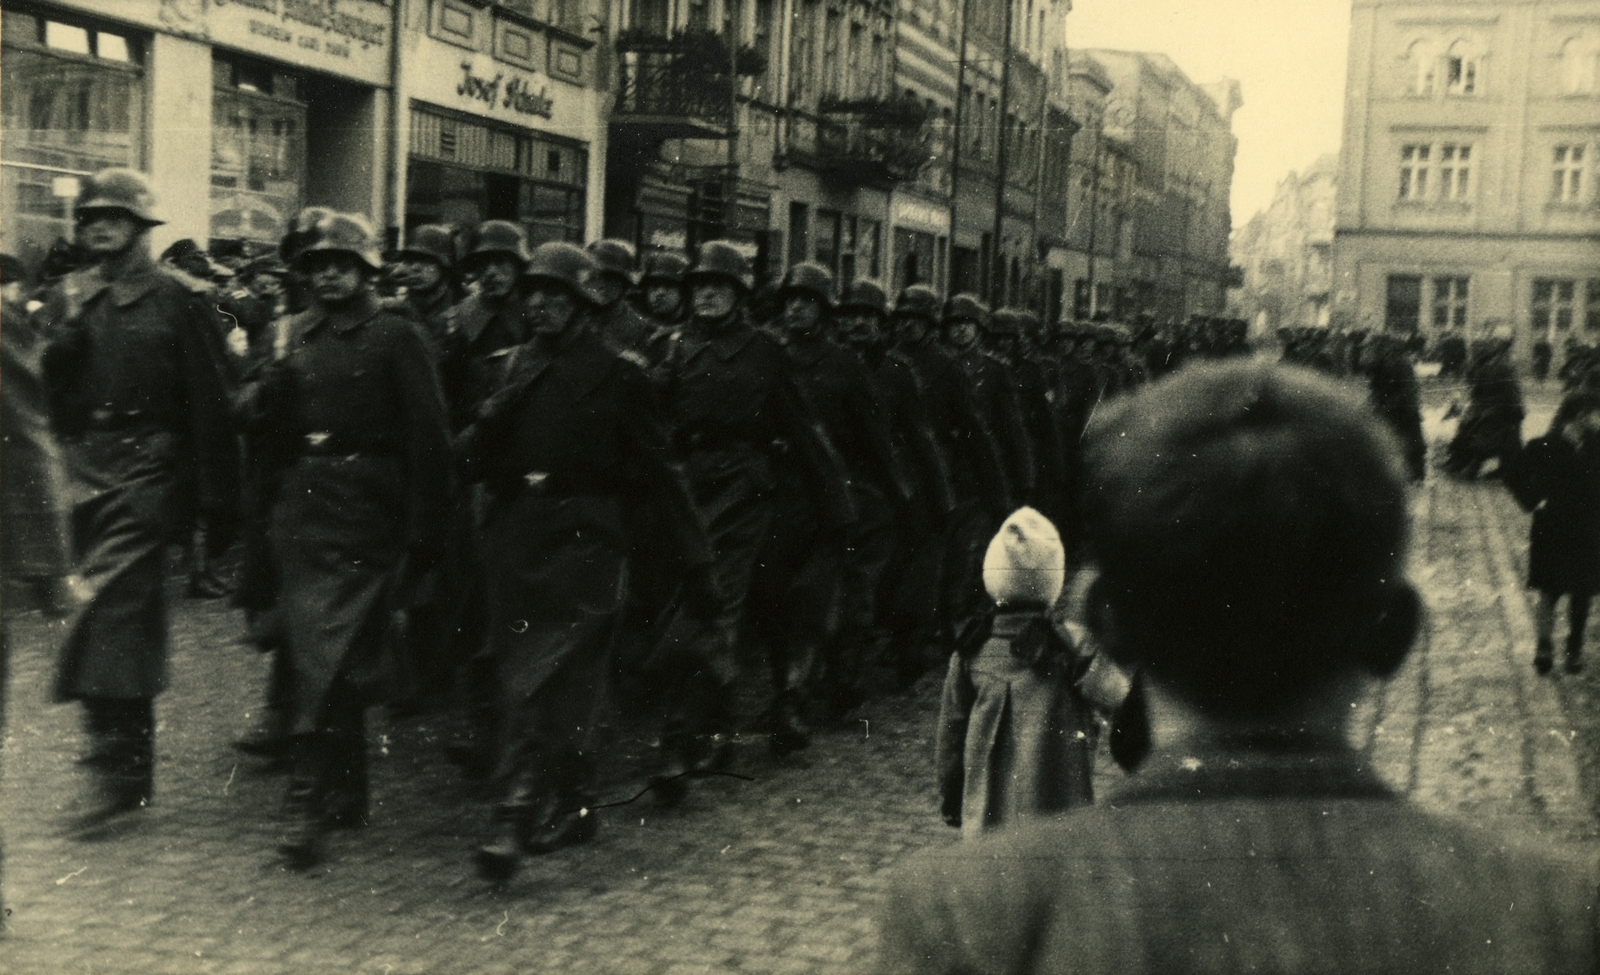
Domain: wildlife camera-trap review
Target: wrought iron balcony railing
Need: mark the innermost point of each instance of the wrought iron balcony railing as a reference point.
(873, 141)
(680, 85)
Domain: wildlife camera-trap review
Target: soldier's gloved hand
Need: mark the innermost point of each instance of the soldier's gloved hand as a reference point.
(701, 594)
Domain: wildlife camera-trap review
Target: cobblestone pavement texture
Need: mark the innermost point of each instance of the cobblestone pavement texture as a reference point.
(778, 874)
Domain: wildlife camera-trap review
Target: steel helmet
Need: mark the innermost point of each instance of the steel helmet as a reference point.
(664, 267)
(865, 295)
(920, 301)
(967, 307)
(496, 238)
(612, 256)
(564, 263)
(345, 233)
(720, 259)
(302, 232)
(1006, 321)
(434, 242)
(807, 278)
(119, 188)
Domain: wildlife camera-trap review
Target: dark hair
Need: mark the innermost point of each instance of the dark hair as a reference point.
(1247, 520)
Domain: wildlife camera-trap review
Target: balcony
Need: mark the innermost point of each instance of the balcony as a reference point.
(872, 142)
(678, 86)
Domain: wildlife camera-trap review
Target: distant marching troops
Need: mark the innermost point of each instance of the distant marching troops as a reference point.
(532, 482)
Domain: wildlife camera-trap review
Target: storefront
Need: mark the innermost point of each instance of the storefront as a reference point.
(502, 123)
(921, 242)
(224, 104)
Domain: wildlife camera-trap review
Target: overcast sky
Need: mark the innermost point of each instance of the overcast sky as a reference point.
(1288, 56)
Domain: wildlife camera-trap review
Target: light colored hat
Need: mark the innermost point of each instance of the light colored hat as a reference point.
(1025, 563)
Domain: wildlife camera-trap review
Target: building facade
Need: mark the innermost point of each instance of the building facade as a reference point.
(1467, 191)
(1151, 176)
(1286, 253)
(245, 111)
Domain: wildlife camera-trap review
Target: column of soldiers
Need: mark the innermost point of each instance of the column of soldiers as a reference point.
(532, 482)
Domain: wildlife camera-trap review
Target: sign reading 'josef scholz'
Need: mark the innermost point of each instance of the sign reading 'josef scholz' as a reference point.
(514, 91)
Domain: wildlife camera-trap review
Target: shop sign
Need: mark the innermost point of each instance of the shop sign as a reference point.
(344, 37)
(919, 214)
(671, 240)
(524, 94)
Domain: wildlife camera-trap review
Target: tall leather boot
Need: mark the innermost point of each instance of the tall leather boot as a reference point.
(305, 843)
(345, 803)
(122, 766)
(510, 827)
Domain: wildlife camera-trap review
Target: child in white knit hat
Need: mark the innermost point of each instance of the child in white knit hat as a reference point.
(1016, 738)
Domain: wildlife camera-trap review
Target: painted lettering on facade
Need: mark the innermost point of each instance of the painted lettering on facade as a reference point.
(324, 15)
(516, 92)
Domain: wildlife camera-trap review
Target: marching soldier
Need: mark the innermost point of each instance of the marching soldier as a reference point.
(983, 491)
(353, 396)
(1003, 339)
(662, 284)
(571, 440)
(485, 326)
(140, 390)
(427, 268)
(731, 396)
(620, 324)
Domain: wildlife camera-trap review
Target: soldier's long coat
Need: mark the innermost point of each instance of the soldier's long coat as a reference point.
(140, 397)
(570, 444)
(368, 486)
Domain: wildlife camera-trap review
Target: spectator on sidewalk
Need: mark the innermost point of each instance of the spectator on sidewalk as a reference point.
(1015, 737)
(1557, 478)
(1249, 524)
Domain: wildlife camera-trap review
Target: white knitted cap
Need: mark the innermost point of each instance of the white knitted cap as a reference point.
(1025, 563)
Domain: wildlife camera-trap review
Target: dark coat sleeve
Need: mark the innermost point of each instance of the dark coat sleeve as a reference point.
(209, 393)
(827, 478)
(424, 428)
(657, 477)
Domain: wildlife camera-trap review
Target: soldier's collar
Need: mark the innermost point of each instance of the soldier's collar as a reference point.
(137, 278)
(808, 351)
(360, 311)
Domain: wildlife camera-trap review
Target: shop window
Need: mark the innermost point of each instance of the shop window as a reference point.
(870, 242)
(515, 44)
(1554, 301)
(1450, 303)
(463, 172)
(707, 212)
(1567, 174)
(455, 21)
(73, 104)
(1403, 308)
(258, 150)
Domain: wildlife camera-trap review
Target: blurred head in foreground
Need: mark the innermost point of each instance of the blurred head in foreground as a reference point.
(1249, 522)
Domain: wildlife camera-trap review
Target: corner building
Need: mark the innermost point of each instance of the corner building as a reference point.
(1467, 193)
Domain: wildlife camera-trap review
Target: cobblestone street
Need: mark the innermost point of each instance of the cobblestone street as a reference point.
(778, 874)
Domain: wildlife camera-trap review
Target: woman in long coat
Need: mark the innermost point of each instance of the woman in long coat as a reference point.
(569, 443)
(1558, 479)
(353, 398)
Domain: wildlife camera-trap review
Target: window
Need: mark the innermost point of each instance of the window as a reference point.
(1450, 303)
(830, 53)
(1414, 166)
(1591, 315)
(799, 233)
(1455, 172)
(1580, 65)
(1424, 60)
(828, 226)
(1461, 75)
(1567, 174)
(463, 172)
(258, 149)
(74, 104)
(1553, 304)
(1436, 172)
(1404, 306)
